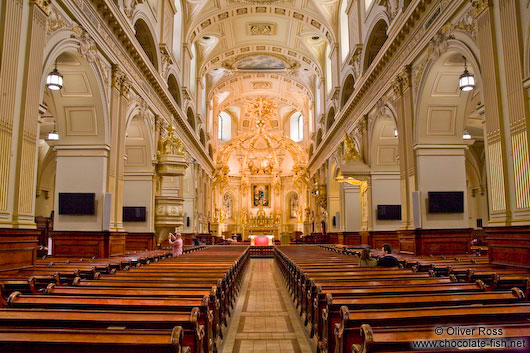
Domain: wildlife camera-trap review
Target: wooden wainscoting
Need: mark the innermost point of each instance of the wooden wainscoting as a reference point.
(509, 245)
(140, 241)
(435, 241)
(18, 248)
(88, 244)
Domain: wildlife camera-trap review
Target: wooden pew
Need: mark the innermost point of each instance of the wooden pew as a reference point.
(36, 319)
(325, 296)
(347, 331)
(331, 313)
(413, 338)
(205, 315)
(67, 340)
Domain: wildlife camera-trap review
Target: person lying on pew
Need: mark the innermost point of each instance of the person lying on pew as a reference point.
(366, 259)
(176, 242)
(387, 260)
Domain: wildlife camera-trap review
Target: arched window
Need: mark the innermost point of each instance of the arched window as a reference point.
(225, 127)
(375, 43)
(344, 31)
(297, 127)
(146, 40)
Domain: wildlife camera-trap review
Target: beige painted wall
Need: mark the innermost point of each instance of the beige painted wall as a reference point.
(80, 174)
(441, 169)
(352, 208)
(385, 191)
(138, 191)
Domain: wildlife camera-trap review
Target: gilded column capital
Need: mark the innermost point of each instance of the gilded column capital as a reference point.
(125, 87)
(480, 6)
(404, 77)
(117, 76)
(396, 87)
(44, 5)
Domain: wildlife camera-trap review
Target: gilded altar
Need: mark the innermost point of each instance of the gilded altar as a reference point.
(261, 224)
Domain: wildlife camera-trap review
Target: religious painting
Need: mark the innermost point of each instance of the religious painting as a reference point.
(261, 195)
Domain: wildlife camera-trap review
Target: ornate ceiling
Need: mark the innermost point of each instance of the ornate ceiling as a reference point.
(262, 150)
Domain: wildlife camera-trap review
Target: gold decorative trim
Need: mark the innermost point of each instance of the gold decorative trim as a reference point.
(44, 5)
(480, 6)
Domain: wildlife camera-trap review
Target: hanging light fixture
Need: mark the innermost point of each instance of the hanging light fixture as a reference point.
(467, 135)
(54, 81)
(467, 80)
(395, 132)
(53, 135)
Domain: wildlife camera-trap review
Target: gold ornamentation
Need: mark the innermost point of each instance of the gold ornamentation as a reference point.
(349, 152)
(56, 21)
(220, 177)
(261, 29)
(171, 144)
(87, 45)
(480, 6)
(262, 109)
(301, 178)
(117, 77)
(261, 85)
(44, 5)
(438, 44)
(467, 24)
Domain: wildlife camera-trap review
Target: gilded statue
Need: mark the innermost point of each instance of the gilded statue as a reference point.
(349, 151)
(170, 144)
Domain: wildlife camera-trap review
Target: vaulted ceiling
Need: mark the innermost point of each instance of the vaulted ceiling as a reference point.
(235, 38)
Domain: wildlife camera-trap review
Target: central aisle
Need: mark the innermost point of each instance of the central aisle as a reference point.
(265, 320)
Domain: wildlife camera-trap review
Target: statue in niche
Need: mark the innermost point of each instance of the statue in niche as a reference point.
(244, 217)
(227, 203)
(293, 205)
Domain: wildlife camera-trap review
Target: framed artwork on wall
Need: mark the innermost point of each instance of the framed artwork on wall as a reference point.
(261, 195)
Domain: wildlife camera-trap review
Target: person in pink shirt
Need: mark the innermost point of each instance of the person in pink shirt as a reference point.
(176, 242)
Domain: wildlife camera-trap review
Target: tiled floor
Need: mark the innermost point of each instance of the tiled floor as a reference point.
(264, 319)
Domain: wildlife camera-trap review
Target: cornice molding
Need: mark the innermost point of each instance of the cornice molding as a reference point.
(117, 39)
(403, 45)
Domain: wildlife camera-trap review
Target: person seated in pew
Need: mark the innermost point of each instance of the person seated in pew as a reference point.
(366, 259)
(176, 242)
(387, 260)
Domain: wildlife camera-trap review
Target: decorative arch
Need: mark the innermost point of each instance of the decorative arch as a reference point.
(347, 89)
(384, 149)
(449, 66)
(376, 40)
(145, 37)
(174, 89)
(331, 118)
(67, 41)
(191, 117)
